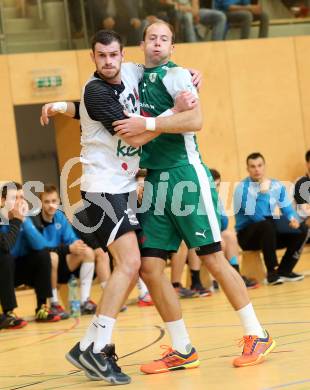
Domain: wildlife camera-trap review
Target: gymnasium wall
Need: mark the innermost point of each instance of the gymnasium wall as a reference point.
(255, 97)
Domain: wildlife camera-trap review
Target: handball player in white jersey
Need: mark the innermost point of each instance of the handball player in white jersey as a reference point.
(108, 188)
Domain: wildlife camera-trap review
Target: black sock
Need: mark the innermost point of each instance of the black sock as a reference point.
(40, 302)
(195, 277)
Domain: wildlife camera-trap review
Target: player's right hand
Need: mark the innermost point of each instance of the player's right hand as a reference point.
(47, 111)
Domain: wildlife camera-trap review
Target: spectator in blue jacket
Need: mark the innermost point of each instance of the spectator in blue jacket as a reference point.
(243, 13)
(23, 257)
(68, 253)
(259, 227)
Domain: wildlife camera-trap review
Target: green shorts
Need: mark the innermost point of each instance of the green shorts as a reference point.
(179, 204)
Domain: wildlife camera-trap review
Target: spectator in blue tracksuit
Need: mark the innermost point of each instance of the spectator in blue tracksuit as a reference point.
(243, 13)
(68, 252)
(259, 228)
(24, 260)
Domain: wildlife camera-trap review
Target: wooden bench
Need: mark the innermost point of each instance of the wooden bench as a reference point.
(252, 265)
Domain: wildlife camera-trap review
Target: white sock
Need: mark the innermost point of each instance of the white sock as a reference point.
(86, 277)
(103, 285)
(104, 331)
(54, 298)
(249, 321)
(90, 334)
(179, 336)
(142, 288)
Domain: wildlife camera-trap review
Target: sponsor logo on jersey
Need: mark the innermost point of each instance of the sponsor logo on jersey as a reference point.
(57, 226)
(153, 77)
(125, 150)
(146, 105)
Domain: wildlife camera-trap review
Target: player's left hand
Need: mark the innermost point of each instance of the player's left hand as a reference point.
(130, 126)
(184, 101)
(196, 78)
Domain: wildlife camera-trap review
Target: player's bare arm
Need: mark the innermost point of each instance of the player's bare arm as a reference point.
(187, 121)
(141, 139)
(185, 103)
(51, 109)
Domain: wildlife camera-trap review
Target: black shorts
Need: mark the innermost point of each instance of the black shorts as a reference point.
(110, 215)
(208, 249)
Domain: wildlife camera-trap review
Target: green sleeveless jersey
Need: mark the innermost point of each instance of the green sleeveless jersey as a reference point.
(158, 89)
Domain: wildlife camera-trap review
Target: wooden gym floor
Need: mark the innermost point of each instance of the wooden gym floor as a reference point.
(33, 358)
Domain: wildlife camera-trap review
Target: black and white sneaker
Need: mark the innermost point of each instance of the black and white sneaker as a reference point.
(104, 364)
(274, 279)
(73, 356)
(292, 277)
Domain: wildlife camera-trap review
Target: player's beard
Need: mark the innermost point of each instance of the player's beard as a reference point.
(110, 76)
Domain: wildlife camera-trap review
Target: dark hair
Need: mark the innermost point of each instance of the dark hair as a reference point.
(106, 37)
(141, 173)
(171, 28)
(215, 174)
(254, 156)
(12, 185)
(48, 189)
(307, 156)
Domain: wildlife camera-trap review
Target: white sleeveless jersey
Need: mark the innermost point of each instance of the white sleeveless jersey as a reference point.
(108, 163)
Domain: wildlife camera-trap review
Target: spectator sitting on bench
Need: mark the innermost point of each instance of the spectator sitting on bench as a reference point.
(184, 13)
(259, 228)
(302, 195)
(211, 18)
(8, 319)
(68, 253)
(23, 259)
(243, 13)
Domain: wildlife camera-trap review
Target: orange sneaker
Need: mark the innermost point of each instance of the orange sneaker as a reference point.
(145, 301)
(254, 350)
(171, 360)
